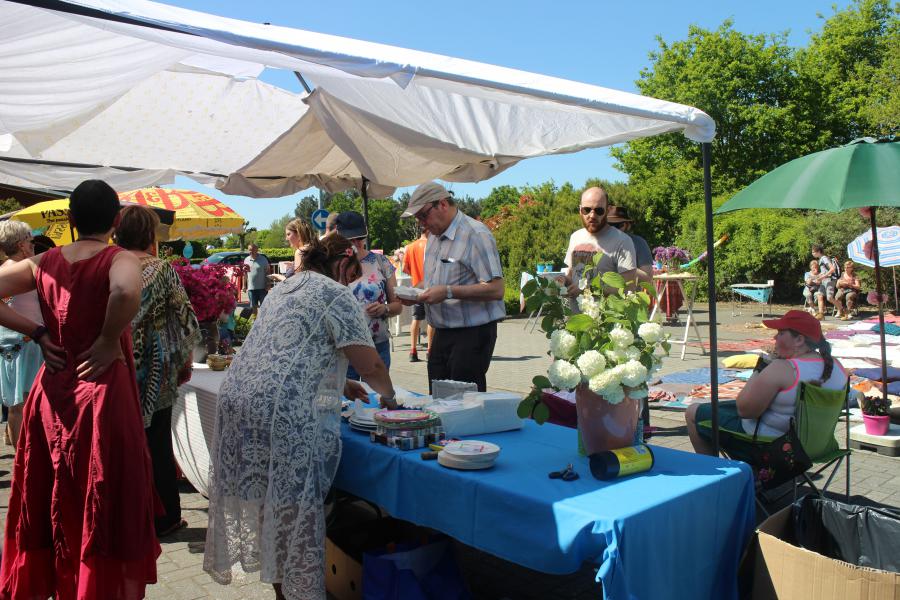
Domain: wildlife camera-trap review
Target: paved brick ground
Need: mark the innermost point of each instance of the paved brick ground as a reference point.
(520, 354)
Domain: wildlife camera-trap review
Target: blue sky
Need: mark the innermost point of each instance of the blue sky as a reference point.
(594, 41)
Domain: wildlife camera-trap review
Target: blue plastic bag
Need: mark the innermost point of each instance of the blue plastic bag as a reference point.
(413, 572)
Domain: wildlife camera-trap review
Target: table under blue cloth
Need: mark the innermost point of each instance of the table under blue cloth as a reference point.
(676, 531)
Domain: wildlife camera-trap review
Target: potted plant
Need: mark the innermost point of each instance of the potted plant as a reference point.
(671, 258)
(876, 416)
(211, 294)
(606, 350)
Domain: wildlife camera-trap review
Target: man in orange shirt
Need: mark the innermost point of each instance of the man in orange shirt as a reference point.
(414, 264)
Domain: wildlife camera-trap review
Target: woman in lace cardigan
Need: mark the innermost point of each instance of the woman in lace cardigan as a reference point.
(277, 443)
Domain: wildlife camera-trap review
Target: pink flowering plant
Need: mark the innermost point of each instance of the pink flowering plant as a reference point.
(208, 287)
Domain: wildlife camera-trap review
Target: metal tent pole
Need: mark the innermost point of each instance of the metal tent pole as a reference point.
(711, 282)
(878, 289)
(365, 205)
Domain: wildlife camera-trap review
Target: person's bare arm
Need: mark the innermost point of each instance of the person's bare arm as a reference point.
(368, 364)
(124, 302)
(482, 291)
(17, 278)
(761, 389)
(393, 306)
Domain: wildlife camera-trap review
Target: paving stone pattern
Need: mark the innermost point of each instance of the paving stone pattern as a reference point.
(519, 355)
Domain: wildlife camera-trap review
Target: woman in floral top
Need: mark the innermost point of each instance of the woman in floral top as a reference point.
(164, 332)
(374, 289)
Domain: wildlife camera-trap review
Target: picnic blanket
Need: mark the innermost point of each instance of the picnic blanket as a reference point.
(741, 346)
(698, 376)
(893, 374)
(727, 391)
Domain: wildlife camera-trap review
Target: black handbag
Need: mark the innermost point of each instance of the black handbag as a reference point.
(780, 460)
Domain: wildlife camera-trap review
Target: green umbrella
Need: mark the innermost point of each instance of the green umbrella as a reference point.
(863, 174)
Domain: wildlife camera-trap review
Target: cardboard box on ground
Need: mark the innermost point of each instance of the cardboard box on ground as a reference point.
(357, 528)
(780, 569)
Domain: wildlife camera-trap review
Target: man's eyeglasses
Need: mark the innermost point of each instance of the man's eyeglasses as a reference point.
(423, 214)
(597, 210)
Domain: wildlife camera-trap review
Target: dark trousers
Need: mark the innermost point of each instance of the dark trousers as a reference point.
(165, 474)
(462, 354)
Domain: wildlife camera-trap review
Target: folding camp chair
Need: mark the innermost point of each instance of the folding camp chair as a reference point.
(816, 418)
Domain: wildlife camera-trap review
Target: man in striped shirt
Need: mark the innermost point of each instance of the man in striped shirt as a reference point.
(463, 282)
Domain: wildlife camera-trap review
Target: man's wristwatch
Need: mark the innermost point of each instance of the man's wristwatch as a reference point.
(449, 293)
(39, 331)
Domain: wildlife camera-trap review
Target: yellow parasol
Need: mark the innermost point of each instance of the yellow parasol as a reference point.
(196, 215)
(52, 219)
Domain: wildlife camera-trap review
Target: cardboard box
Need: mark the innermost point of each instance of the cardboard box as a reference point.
(343, 573)
(788, 572)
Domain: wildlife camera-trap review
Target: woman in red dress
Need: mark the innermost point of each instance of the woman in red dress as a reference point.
(81, 507)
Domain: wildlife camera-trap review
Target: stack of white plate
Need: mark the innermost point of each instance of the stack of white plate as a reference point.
(469, 455)
(362, 420)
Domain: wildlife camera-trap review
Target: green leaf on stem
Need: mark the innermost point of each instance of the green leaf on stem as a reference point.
(578, 323)
(541, 413)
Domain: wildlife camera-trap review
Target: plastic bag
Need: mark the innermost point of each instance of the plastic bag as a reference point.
(860, 535)
(413, 572)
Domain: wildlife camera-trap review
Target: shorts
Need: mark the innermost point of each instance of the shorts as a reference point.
(257, 297)
(418, 312)
(737, 445)
(828, 288)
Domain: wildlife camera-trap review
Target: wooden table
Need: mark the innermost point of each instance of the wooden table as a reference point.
(678, 279)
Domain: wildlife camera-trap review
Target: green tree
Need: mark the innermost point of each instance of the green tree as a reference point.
(504, 195)
(306, 207)
(273, 237)
(747, 84)
(387, 231)
(850, 72)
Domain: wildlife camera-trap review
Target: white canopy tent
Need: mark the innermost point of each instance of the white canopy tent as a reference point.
(382, 114)
(394, 116)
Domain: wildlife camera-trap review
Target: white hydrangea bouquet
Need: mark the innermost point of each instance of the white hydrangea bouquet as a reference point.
(609, 345)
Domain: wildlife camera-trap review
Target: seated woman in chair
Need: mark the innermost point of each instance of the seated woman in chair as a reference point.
(770, 396)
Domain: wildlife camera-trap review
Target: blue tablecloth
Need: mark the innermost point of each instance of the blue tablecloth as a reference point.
(676, 531)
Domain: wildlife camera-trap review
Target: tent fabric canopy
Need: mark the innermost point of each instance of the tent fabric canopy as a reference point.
(391, 115)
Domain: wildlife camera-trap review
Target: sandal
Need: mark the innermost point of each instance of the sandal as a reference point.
(181, 524)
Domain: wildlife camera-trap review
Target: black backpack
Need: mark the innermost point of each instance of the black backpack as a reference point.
(837, 267)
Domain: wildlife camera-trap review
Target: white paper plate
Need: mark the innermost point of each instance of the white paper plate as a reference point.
(472, 451)
(447, 460)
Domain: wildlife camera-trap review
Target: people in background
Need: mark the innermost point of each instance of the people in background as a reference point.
(298, 233)
(277, 438)
(20, 356)
(828, 276)
(618, 254)
(812, 289)
(463, 281)
(257, 277)
(374, 286)
(414, 264)
(769, 398)
(81, 507)
(618, 218)
(848, 289)
(163, 332)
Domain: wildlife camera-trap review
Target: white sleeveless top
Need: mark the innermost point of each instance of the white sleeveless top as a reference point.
(777, 418)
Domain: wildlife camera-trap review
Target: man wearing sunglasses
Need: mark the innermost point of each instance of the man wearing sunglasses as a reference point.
(463, 282)
(597, 236)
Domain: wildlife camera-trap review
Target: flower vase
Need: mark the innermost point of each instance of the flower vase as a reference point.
(604, 426)
(209, 341)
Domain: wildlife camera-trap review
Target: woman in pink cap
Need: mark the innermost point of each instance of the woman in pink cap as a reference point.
(770, 396)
